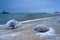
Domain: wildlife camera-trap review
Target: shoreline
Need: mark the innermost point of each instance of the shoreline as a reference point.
(24, 32)
(27, 21)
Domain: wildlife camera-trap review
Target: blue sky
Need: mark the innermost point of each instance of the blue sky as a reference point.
(30, 6)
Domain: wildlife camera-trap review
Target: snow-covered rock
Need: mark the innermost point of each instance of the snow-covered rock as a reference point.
(50, 34)
(44, 32)
(12, 24)
(41, 28)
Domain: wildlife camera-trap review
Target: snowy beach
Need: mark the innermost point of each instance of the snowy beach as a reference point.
(24, 32)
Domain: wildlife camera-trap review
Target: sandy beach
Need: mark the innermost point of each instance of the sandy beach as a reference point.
(24, 32)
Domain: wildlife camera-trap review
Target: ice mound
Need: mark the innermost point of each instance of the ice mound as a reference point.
(44, 31)
(11, 24)
(41, 28)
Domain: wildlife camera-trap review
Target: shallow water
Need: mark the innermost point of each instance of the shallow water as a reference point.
(22, 16)
(5, 17)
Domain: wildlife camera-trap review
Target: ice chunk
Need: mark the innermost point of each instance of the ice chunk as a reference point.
(12, 24)
(41, 28)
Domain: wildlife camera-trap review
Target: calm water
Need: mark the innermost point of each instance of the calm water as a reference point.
(5, 17)
(21, 16)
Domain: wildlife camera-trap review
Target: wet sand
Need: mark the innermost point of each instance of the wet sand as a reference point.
(24, 32)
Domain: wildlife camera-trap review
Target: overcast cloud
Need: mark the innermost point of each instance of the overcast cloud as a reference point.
(30, 6)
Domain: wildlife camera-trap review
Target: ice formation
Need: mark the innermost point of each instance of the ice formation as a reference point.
(12, 24)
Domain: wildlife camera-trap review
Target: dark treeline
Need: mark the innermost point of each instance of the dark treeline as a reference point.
(4, 12)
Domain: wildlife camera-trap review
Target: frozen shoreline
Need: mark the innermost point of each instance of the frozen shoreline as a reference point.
(26, 29)
(27, 21)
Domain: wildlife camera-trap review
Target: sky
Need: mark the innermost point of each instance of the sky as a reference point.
(30, 6)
